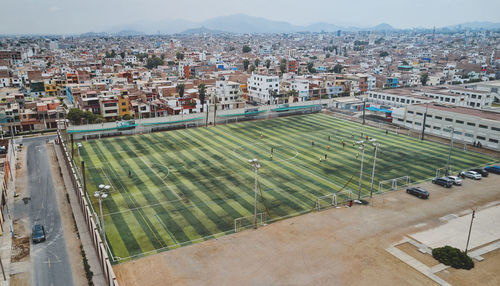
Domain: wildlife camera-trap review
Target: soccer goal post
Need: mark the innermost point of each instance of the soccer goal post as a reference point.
(393, 184)
(440, 172)
(246, 222)
(326, 202)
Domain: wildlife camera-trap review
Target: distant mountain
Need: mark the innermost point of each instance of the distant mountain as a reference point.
(245, 24)
(202, 30)
(383, 27)
(241, 23)
(125, 33)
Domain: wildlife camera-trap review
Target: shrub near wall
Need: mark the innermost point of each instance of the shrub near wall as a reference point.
(453, 257)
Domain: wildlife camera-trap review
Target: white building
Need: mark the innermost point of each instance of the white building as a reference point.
(131, 59)
(470, 125)
(458, 96)
(260, 87)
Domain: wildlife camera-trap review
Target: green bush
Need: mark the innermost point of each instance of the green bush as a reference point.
(453, 257)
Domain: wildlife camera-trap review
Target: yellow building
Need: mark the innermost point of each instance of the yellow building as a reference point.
(50, 87)
(124, 105)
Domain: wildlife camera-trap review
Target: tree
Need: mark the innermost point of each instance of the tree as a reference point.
(154, 62)
(424, 78)
(383, 54)
(179, 56)
(246, 49)
(202, 92)
(246, 62)
(75, 115)
(252, 68)
(292, 92)
(310, 67)
(327, 55)
(256, 62)
(337, 68)
(268, 63)
(405, 63)
(122, 54)
(283, 65)
(180, 89)
(127, 117)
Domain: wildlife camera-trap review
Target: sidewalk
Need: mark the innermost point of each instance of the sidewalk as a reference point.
(98, 278)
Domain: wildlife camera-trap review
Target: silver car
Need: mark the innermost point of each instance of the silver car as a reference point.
(472, 175)
(456, 180)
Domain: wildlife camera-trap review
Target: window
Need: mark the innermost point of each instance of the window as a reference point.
(436, 128)
(458, 132)
(469, 135)
(495, 128)
(483, 126)
(408, 121)
(410, 112)
(449, 119)
(400, 120)
(419, 113)
(124, 109)
(459, 121)
(418, 123)
(123, 103)
(493, 140)
(427, 125)
(429, 116)
(471, 124)
(481, 138)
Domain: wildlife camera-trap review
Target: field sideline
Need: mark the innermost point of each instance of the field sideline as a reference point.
(189, 185)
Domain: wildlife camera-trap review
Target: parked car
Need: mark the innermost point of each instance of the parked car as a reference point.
(482, 172)
(443, 181)
(471, 175)
(38, 233)
(418, 192)
(456, 180)
(493, 169)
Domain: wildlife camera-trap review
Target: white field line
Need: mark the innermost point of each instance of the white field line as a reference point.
(284, 159)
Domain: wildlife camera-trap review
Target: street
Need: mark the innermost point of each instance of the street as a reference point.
(50, 261)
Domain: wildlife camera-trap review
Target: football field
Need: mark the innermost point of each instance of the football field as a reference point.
(174, 188)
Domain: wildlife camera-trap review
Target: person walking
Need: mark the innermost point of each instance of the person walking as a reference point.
(326, 156)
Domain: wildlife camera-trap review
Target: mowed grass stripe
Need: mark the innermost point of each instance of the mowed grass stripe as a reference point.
(125, 241)
(234, 163)
(217, 222)
(148, 192)
(150, 230)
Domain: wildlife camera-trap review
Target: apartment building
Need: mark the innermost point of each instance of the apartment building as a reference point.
(261, 87)
(470, 125)
(109, 107)
(228, 94)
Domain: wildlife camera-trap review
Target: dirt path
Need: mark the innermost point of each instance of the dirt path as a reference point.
(334, 247)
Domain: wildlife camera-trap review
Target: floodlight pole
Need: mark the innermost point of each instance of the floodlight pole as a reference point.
(470, 229)
(452, 130)
(256, 166)
(100, 195)
(425, 117)
(361, 168)
(373, 170)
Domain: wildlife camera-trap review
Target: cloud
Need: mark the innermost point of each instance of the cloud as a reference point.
(54, 9)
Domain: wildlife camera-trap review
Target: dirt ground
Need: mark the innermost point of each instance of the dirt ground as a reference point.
(343, 246)
(20, 279)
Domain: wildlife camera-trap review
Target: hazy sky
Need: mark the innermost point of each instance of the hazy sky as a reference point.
(77, 16)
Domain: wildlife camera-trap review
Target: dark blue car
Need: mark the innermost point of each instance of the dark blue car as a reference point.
(493, 169)
(38, 233)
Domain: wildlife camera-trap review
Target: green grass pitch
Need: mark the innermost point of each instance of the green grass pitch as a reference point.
(189, 185)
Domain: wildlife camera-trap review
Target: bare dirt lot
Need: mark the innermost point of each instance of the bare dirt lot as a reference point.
(343, 246)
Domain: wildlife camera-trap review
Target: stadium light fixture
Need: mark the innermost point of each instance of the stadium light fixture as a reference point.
(255, 163)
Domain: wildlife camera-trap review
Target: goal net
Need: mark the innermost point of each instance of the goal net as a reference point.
(393, 184)
(246, 222)
(333, 200)
(440, 172)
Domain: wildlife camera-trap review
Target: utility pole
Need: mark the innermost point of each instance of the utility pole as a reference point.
(452, 130)
(425, 117)
(361, 168)
(373, 170)
(364, 106)
(256, 166)
(72, 147)
(83, 178)
(470, 229)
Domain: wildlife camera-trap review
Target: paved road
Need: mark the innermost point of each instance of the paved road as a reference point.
(50, 261)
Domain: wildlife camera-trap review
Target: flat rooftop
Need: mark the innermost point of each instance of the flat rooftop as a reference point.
(485, 114)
